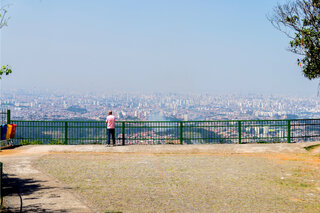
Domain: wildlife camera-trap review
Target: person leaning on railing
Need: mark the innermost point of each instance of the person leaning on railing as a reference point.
(111, 128)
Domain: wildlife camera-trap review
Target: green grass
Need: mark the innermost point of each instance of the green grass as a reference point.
(56, 142)
(30, 142)
(268, 142)
(39, 142)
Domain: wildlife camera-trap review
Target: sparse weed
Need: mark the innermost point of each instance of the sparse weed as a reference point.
(28, 142)
(309, 148)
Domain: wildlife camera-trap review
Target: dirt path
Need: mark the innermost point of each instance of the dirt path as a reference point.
(30, 190)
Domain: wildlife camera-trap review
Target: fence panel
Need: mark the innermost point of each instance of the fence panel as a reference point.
(152, 132)
(37, 132)
(264, 131)
(90, 132)
(305, 130)
(203, 132)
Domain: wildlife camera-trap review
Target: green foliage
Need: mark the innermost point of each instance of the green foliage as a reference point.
(269, 142)
(309, 148)
(39, 142)
(300, 21)
(3, 16)
(56, 142)
(28, 142)
(77, 109)
(5, 70)
(263, 142)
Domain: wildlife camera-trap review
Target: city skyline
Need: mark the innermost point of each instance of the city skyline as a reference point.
(180, 46)
(30, 105)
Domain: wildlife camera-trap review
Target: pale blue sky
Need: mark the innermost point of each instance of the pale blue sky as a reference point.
(149, 45)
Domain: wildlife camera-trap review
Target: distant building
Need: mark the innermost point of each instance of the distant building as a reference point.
(185, 117)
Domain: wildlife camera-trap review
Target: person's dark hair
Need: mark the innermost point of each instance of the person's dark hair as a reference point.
(110, 112)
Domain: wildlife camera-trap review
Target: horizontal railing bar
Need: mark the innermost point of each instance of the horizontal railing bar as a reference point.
(132, 127)
(306, 124)
(244, 138)
(307, 136)
(271, 120)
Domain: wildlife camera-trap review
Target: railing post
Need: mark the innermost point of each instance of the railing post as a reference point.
(66, 132)
(8, 116)
(123, 133)
(239, 131)
(1, 194)
(289, 131)
(181, 132)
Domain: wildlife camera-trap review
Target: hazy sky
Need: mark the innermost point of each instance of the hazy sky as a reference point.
(149, 45)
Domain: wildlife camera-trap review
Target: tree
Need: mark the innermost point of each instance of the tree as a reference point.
(4, 22)
(300, 21)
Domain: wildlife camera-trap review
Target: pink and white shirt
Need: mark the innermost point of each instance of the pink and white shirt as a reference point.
(110, 121)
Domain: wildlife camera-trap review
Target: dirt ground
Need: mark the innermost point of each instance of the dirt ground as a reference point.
(162, 178)
(26, 189)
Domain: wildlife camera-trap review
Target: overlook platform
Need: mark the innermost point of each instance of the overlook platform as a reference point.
(82, 178)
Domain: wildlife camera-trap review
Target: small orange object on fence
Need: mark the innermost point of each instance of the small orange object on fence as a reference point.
(8, 133)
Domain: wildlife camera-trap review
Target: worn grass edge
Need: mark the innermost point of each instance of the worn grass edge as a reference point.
(310, 148)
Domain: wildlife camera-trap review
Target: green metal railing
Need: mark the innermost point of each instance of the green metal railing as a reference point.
(168, 132)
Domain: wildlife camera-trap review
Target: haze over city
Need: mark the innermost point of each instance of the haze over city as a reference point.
(44, 105)
(149, 46)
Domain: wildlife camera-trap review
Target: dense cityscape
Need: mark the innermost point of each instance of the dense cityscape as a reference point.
(50, 105)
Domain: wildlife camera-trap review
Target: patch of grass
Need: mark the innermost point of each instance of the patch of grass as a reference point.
(269, 142)
(309, 148)
(263, 142)
(33, 142)
(56, 142)
(294, 183)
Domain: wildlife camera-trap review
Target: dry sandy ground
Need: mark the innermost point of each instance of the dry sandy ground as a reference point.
(32, 190)
(26, 189)
(167, 149)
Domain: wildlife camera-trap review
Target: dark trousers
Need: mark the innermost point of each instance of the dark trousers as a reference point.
(111, 132)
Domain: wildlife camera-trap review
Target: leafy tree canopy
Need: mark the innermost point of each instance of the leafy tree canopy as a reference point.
(300, 21)
(5, 70)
